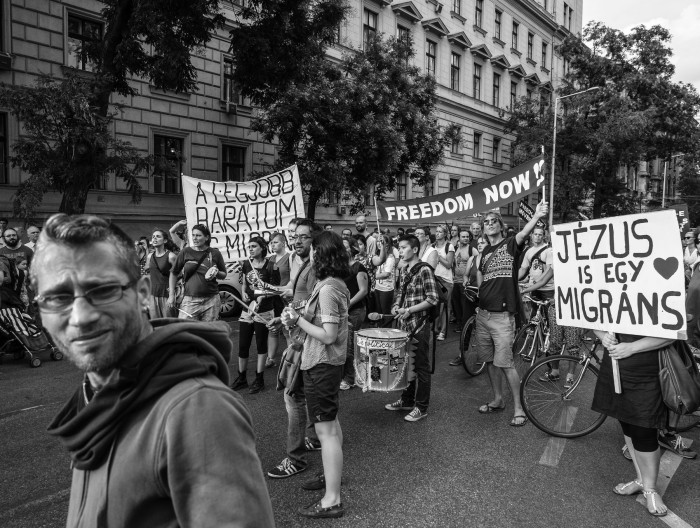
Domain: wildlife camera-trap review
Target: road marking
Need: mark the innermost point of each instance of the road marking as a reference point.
(12, 413)
(58, 496)
(667, 468)
(555, 445)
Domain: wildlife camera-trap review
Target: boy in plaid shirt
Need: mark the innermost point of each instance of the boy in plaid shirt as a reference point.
(417, 294)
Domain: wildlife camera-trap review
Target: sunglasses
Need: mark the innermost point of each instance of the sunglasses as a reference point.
(490, 221)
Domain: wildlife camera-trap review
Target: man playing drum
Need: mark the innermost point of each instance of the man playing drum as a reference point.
(416, 296)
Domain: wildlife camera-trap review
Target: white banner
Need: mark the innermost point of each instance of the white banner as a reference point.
(236, 211)
(622, 274)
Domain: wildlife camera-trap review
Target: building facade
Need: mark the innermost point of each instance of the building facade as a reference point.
(484, 54)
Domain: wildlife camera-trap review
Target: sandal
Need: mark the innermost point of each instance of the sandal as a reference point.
(488, 408)
(655, 512)
(621, 489)
(514, 423)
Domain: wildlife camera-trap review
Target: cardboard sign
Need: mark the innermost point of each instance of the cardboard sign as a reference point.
(493, 193)
(682, 217)
(236, 211)
(622, 274)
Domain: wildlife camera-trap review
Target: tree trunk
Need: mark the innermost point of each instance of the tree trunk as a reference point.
(74, 199)
(311, 206)
(598, 197)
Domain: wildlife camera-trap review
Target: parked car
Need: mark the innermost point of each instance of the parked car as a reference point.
(229, 288)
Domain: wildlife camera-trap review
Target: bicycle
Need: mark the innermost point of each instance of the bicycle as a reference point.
(532, 340)
(467, 352)
(563, 407)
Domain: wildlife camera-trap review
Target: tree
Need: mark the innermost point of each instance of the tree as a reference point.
(638, 113)
(368, 120)
(65, 140)
(151, 39)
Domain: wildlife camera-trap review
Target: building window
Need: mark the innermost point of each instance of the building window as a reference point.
(496, 154)
(496, 89)
(545, 4)
(230, 92)
(429, 187)
(567, 66)
(529, 94)
(401, 188)
(544, 54)
(478, 12)
(457, 7)
(477, 81)
(81, 31)
(430, 56)
(514, 36)
(456, 139)
(513, 94)
(369, 27)
(454, 184)
(4, 177)
(497, 32)
(403, 34)
(530, 45)
(232, 163)
(568, 14)
(167, 152)
(454, 72)
(476, 153)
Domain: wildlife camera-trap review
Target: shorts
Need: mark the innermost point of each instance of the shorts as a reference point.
(494, 334)
(200, 308)
(321, 387)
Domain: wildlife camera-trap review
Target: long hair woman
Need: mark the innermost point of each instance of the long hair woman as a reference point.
(358, 286)
(201, 266)
(253, 271)
(158, 265)
(443, 272)
(384, 278)
(322, 364)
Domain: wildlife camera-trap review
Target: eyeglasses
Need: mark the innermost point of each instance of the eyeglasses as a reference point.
(98, 296)
(688, 238)
(302, 238)
(490, 221)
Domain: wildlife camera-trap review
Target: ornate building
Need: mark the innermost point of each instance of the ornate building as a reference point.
(483, 53)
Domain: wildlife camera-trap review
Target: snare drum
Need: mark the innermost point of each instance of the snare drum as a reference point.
(382, 359)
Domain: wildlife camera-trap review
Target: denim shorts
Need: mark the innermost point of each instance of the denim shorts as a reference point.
(321, 387)
(494, 334)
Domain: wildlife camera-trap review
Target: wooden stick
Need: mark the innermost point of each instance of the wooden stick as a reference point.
(616, 373)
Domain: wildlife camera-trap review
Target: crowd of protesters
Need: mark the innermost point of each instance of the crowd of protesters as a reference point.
(324, 291)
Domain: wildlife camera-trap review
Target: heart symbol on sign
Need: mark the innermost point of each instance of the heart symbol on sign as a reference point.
(666, 267)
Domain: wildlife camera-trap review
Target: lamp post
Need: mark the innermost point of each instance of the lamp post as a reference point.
(554, 151)
(663, 189)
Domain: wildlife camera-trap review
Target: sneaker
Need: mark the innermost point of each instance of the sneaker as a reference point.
(569, 382)
(674, 442)
(344, 385)
(626, 452)
(547, 376)
(316, 483)
(398, 406)
(270, 363)
(239, 383)
(456, 362)
(285, 469)
(441, 336)
(312, 444)
(415, 415)
(257, 386)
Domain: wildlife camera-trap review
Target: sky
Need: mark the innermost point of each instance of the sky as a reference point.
(680, 17)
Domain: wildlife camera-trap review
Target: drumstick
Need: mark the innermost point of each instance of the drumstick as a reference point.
(261, 319)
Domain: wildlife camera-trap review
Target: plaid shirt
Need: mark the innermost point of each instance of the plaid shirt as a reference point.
(422, 287)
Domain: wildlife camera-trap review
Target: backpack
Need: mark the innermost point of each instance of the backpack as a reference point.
(434, 312)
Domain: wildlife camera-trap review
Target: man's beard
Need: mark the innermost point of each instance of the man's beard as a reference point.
(7, 244)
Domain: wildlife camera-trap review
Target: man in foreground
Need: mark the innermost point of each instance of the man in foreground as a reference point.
(156, 437)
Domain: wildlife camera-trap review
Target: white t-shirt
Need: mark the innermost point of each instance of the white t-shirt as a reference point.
(441, 271)
(386, 284)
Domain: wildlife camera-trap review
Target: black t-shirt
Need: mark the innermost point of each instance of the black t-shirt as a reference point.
(498, 291)
(197, 285)
(352, 284)
(263, 272)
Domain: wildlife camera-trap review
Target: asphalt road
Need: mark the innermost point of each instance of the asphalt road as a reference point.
(455, 468)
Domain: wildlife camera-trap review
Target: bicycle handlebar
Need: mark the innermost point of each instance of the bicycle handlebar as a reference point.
(546, 302)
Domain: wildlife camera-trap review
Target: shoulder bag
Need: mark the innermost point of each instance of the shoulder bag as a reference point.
(680, 378)
(180, 286)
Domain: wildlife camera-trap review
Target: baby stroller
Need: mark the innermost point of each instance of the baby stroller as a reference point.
(21, 336)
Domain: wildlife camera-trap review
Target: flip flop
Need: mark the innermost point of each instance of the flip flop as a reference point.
(513, 423)
(488, 409)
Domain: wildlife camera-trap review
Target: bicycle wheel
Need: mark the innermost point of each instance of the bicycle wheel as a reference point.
(526, 348)
(468, 352)
(552, 408)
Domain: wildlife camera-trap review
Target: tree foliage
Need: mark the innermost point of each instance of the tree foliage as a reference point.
(66, 145)
(637, 113)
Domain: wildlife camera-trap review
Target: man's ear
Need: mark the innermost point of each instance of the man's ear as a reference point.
(143, 289)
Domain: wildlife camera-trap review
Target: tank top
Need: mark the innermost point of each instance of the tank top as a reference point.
(442, 271)
(159, 269)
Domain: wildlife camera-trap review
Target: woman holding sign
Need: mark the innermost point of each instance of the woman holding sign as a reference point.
(639, 408)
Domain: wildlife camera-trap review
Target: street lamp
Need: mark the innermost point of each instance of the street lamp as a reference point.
(554, 151)
(663, 189)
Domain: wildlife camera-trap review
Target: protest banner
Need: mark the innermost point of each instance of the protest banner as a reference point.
(622, 274)
(236, 211)
(525, 213)
(495, 192)
(682, 217)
